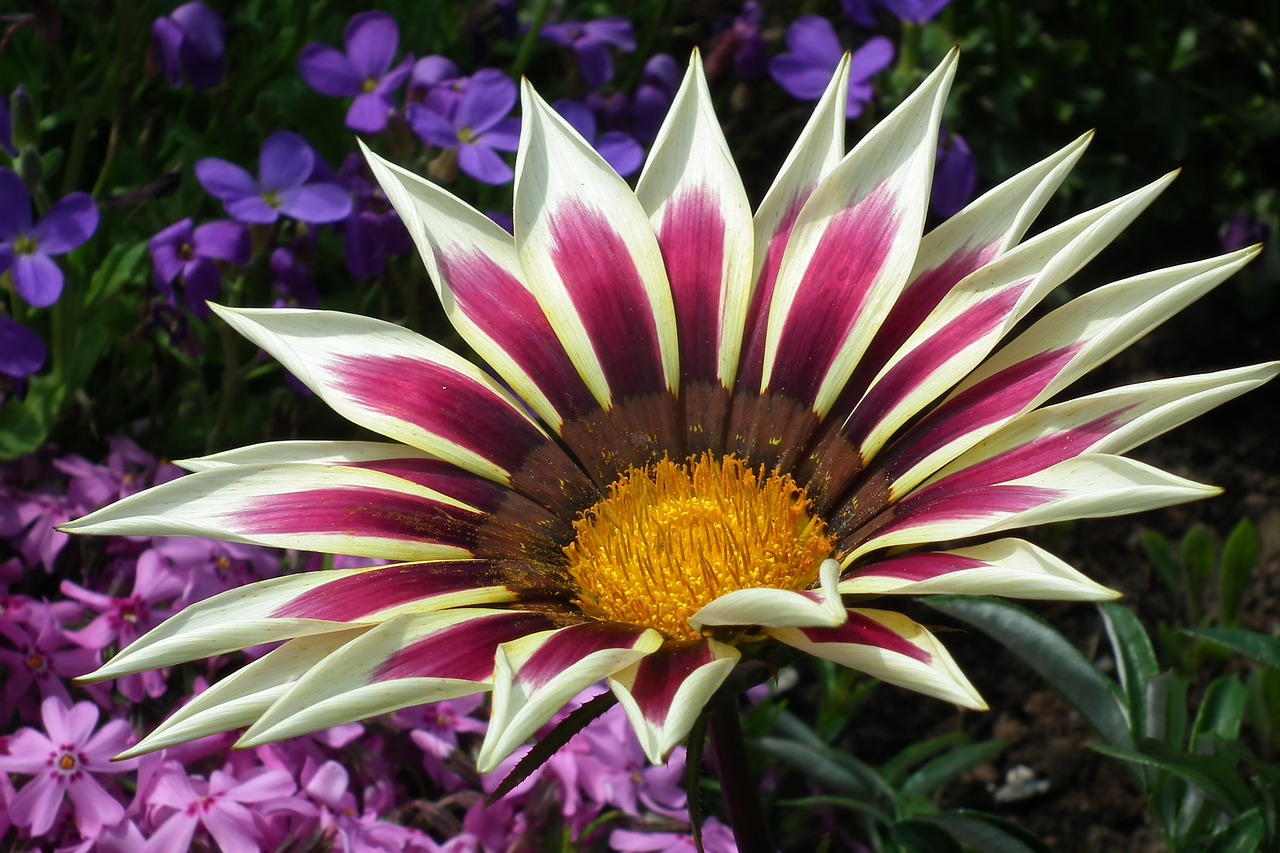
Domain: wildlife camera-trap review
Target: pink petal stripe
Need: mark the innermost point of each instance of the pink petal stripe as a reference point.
(605, 287)
(692, 238)
(995, 398)
(863, 631)
(660, 675)
(917, 567)
(440, 401)
(1037, 455)
(916, 368)
(570, 645)
(935, 505)
(353, 597)
(463, 651)
(751, 362)
(510, 315)
(837, 282)
(360, 512)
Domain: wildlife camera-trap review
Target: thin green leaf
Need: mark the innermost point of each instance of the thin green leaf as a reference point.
(1220, 712)
(1199, 556)
(693, 775)
(1167, 705)
(986, 832)
(1049, 654)
(1242, 835)
(918, 836)
(556, 738)
(944, 768)
(849, 777)
(1135, 661)
(916, 754)
(853, 805)
(1239, 557)
(1216, 777)
(1161, 557)
(1258, 647)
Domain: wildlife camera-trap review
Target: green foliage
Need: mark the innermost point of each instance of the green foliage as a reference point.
(1205, 788)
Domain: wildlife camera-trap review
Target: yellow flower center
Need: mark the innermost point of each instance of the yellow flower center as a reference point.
(671, 538)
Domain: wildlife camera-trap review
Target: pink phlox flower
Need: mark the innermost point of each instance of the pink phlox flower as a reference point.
(616, 773)
(716, 838)
(435, 730)
(42, 653)
(349, 827)
(128, 469)
(233, 811)
(30, 520)
(124, 837)
(63, 762)
(486, 828)
(208, 567)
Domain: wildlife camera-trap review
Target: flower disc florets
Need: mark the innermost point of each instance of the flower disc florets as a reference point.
(671, 538)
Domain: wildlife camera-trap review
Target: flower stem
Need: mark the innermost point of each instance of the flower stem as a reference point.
(747, 818)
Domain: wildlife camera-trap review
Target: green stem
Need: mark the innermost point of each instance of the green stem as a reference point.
(747, 818)
(530, 38)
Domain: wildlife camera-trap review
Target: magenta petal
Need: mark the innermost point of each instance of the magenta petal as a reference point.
(660, 675)
(329, 71)
(464, 651)
(232, 827)
(316, 203)
(570, 645)
(95, 808)
(36, 805)
(37, 279)
(354, 597)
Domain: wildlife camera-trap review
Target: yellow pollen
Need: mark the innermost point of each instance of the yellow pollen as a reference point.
(67, 761)
(670, 538)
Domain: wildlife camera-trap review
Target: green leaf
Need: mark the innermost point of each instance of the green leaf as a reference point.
(564, 731)
(918, 836)
(944, 768)
(1220, 712)
(916, 754)
(1167, 710)
(23, 427)
(1160, 554)
(986, 832)
(1216, 777)
(123, 261)
(1135, 660)
(1049, 654)
(1258, 647)
(1239, 557)
(1242, 835)
(849, 776)
(1199, 556)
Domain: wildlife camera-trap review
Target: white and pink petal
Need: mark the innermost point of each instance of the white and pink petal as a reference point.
(1005, 567)
(892, 648)
(777, 608)
(664, 693)
(536, 675)
(407, 660)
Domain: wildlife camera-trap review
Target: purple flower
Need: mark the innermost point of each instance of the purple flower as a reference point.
(190, 41)
(914, 11)
(742, 43)
(364, 72)
(22, 352)
(1242, 229)
(46, 658)
(478, 130)
(590, 42)
(657, 89)
(955, 177)
(716, 838)
(218, 805)
(6, 129)
(63, 762)
(294, 285)
(26, 247)
(815, 51)
(620, 151)
(436, 72)
(373, 232)
(180, 250)
(284, 185)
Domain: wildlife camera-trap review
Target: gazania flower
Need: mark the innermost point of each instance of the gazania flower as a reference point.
(727, 434)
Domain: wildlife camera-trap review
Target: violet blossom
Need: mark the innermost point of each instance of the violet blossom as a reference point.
(363, 72)
(191, 254)
(22, 353)
(285, 185)
(218, 805)
(814, 53)
(955, 176)
(657, 89)
(1241, 230)
(42, 654)
(190, 42)
(618, 149)
(64, 762)
(590, 42)
(479, 129)
(433, 73)
(915, 12)
(716, 838)
(742, 43)
(27, 246)
(373, 232)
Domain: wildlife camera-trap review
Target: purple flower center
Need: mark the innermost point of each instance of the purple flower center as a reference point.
(466, 136)
(187, 252)
(272, 198)
(370, 85)
(66, 763)
(24, 245)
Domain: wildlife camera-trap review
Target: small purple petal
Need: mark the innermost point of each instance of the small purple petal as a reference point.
(579, 117)
(801, 79)
(368, 113)
(431, 127)
(504, 136)
(166, 39)
(316, 203)
(594, 62)
(615, 31)
(37, 279)
(15, 205)
(201, 283)
(329, 72)
(955, 178)
(621, 152)
(372, 39)
(201, 28)
(859, 11)
(813, 36)
(484, 165)
(68, 225)
(252, 209)
(433, 70)
(870, 59)
(489, 98)
(22, 352)
(223, 241)
(285, 163)
(225, 181)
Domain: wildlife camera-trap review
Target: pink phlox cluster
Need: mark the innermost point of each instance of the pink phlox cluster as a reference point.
(435, 729)
(236, 810)
(34, 649)
(65, 762)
